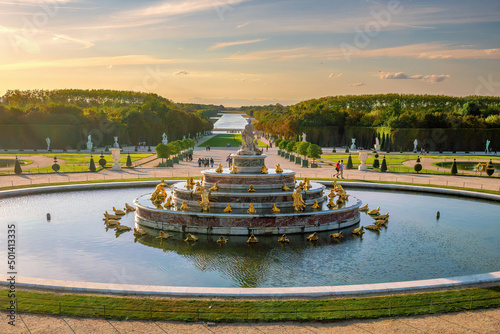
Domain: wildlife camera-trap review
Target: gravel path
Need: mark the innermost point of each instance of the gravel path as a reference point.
(480, 321)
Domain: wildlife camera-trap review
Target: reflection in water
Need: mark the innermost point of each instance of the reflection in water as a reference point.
(75, 245)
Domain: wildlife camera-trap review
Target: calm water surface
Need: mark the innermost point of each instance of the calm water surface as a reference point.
(75, 245)
(231, 121)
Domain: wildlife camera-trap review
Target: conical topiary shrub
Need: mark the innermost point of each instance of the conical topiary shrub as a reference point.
(418, 166)
(346, 149)
(490, 169)
(454, 169)
(17, 168)
(376, 162)
(383, 168)
(129, 161)
(92, 164)
(349, 162)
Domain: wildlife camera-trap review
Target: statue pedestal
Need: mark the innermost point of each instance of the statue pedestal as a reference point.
(363, 156)
(89, 145)
(377, 148)
(248, 164)
(115, 154)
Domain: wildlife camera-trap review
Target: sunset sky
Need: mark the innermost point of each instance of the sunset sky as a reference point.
(252, 52)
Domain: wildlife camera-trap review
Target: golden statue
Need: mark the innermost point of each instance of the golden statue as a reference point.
(358, 231)
(315, 206)
(275, 209)
(298, 202)
(332, 194)
(118, 212)
(122, 228)
(374, 227)
(228, 209)
(222, 240)
(364, 208)
(338, 235)
(189, 186)
(219, 169)
(215, 187)
(111, 222)
(252, 240)
(163, 235)
(284, 187)
(205, 203)
(159, 194)
(278, 169)
(313, 237)
(264, 170)
(184, 206)
(251, 210)
(198, 187)
(168, 204)
(191, 238)
(129, 208)
(108, 216)
(251, 189)
(283, 239)
(307, 184)
(331, 205)
(139, 232)
(374, 212)
(233, 169)
(300, 186)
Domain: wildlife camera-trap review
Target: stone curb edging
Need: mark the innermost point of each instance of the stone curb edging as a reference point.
(314, 291)
(359, 289)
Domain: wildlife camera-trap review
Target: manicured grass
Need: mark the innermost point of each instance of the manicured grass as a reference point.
(253, 310)
(222, 140)
(84, 158)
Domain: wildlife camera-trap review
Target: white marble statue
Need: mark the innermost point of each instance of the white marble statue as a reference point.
(415, 143)
(48, 143)
(487, 146)
(353, 146)
(165, 139)
(248, 145)
(303, 136)
(89, 143)
(377, 144)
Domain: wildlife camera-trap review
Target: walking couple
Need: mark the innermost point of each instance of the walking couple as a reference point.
(340, 169)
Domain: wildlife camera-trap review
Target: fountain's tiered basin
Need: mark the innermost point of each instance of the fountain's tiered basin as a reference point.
(233, 190)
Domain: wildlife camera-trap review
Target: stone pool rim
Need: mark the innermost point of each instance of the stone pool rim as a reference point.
(287, 292)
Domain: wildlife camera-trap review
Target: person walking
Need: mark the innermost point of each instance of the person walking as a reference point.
(211, 162)
(342, 169)
(337, 168)
(199, 162)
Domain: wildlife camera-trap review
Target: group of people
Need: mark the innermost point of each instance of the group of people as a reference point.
(205, 162)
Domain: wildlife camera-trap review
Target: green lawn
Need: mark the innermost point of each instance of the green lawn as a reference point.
(222, 140)
(253, 310)
(84, 158)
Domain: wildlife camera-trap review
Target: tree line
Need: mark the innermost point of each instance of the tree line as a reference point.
(384, 113)
(69, 116)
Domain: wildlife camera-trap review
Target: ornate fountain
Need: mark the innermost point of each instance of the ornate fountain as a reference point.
(247, 198)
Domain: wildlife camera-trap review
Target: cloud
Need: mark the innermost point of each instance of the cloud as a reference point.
(89, 62)
(357, 84)
(242, 25)
(433, 78)
(173, 8)
(335, 75)
(422, 50)
(85, 44)
(223, 45)
(181, 73)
